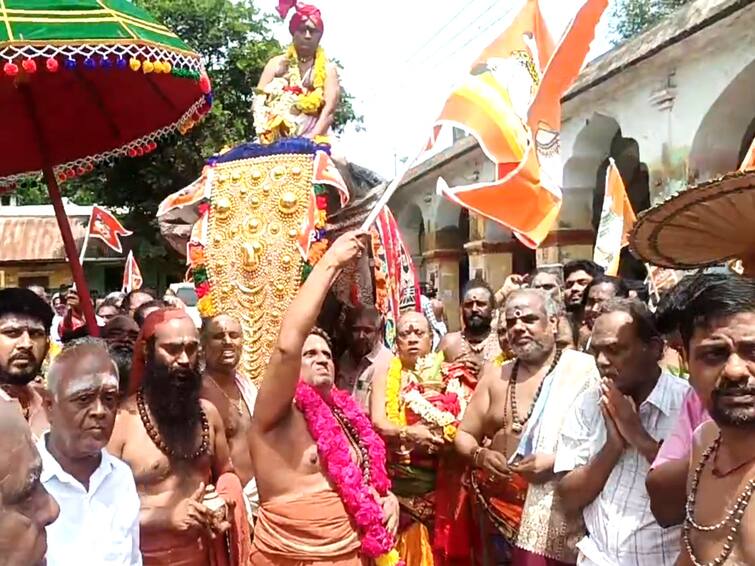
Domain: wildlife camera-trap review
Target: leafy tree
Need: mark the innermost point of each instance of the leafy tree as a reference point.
(236, 42)
(632, 17)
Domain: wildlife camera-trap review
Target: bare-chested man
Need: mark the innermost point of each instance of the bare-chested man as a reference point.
(718, 329)
(173, 441)
(25, 322)
(120, 333)
(302, 519)
(232, 394)
(510, 430)
(477, 337)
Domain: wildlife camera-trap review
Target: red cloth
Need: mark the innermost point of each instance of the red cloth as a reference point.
(303, 12)
(229, 487)
(71, 322)
(149, 327)
(523, 557)
(453, 533)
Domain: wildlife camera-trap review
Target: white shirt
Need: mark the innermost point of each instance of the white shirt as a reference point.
(95, 528)
(621, 528)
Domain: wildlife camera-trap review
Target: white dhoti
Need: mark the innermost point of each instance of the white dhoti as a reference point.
(251, 500)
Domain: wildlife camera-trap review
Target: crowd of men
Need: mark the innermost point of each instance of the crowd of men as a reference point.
(592, 430)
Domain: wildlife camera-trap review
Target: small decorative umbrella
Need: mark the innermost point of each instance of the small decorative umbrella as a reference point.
(86, 82)
(704, 225)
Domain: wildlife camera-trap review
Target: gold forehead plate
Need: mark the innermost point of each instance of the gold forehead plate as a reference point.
(252, 256)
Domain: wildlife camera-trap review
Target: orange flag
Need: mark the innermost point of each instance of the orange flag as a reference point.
(132, 275)
(749, 161)
(616, 221)
(106, 227)
(510, 102)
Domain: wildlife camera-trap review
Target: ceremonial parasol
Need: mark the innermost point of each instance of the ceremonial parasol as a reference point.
(87, 82)
(704, 225)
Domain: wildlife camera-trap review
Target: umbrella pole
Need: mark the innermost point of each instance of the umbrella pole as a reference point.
(85, 299)
(73, 256)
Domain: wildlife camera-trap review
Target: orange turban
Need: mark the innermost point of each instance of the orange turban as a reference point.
(147, 332)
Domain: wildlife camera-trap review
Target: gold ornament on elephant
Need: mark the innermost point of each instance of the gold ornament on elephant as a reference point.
(253, 261)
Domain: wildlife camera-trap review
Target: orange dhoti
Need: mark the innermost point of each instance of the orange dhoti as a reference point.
(305, 529)
(166, 549)
(498, 506)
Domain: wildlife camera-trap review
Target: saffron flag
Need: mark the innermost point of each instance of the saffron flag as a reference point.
(106, 227)
(749, 161)
(616, 221)
(132, 275)
(510, 102)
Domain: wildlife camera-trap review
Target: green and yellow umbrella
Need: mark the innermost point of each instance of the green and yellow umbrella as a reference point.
(88, 81)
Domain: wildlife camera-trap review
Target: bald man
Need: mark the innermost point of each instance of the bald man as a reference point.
(26, 508)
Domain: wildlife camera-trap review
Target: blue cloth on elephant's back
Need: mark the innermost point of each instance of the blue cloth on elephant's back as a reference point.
(249, 150)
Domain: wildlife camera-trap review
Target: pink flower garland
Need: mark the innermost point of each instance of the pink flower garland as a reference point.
(333, 446)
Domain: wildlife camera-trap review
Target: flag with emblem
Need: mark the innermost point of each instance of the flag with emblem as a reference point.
(106, 227)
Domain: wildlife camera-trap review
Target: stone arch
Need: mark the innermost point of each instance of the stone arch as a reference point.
(585, 174)
(446, 219)
(717, 145)
(412, 225)
(626, 154)
(590, 149)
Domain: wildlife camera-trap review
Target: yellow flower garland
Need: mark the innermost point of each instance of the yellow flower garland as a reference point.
(393, 408)
(309, 102)
(396, 413)
(500, 359)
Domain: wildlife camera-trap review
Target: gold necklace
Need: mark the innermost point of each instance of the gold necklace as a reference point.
(238, 404)
(479, 347)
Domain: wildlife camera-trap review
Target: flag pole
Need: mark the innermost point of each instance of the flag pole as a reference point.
(388, 193)
(126, 287)
(83, 252)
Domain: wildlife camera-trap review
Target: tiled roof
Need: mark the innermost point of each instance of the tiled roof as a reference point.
(35, 238)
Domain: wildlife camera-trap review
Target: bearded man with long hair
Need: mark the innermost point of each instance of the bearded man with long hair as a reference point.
(176, 446)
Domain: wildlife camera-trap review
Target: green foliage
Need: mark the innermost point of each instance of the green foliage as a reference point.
(236, 42)
(632, 17)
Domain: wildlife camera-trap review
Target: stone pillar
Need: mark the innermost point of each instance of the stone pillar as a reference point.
(565, 245)
(443, 267)
(493, 260)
